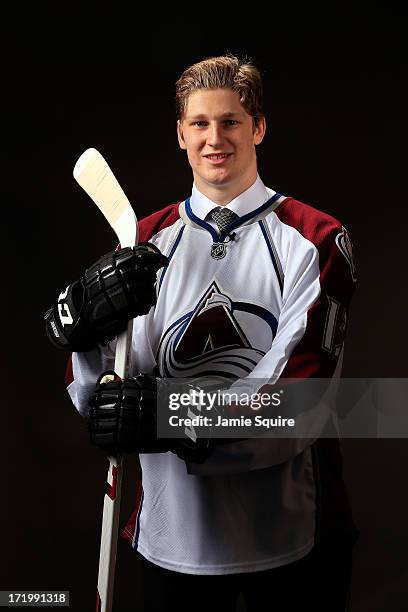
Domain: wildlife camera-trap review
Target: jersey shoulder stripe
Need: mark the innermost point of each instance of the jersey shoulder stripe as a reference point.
(311, 223)
(159, 220)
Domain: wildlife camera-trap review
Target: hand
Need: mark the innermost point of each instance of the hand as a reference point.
(117, 288)
(123, 418)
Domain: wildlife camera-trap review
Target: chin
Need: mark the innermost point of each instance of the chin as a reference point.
(219, 178)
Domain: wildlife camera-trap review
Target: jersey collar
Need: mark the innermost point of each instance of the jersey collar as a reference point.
(247, 205)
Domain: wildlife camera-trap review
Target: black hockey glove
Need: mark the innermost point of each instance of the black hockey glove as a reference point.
(97, 307)
(123, 418)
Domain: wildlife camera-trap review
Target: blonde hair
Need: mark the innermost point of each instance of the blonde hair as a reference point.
(222, 72)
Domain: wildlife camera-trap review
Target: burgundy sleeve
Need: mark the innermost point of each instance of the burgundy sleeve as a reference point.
(317, 352)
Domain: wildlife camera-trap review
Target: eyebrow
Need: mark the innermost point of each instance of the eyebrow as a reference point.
(227, 115)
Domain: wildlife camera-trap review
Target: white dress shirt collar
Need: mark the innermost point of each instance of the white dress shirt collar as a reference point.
(248, 200)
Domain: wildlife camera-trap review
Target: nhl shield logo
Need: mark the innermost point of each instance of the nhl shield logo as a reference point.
(218, 250)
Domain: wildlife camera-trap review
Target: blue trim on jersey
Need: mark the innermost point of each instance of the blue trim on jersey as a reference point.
(175, 245)
(253, 213)
(272, 254)
(214, 234)
(221, 237)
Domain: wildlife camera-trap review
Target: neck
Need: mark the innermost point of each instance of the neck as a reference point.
(223, 194)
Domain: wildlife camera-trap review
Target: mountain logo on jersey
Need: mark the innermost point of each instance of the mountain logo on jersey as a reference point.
(346, 248)
(212, 339)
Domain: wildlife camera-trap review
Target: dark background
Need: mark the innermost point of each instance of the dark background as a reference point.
(334, 100)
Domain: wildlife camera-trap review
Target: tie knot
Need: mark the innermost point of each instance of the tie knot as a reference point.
(223, 217)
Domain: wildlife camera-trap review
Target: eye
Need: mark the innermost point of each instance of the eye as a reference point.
(231, 122)
(200, 123)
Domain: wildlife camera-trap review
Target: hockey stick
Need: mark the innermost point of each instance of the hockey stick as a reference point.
(97, 179)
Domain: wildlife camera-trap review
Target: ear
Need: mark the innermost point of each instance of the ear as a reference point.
(259, 131)
(180, 135)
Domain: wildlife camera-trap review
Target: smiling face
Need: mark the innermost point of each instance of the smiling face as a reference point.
(220, 137)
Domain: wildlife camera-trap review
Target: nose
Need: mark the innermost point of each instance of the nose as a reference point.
(214, 134)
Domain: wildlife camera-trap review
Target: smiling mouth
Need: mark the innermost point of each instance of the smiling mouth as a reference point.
(217, 156)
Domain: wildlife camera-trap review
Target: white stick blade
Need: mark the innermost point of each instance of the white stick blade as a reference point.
(94, 175)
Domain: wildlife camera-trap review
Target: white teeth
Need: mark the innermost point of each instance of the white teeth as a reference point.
(217, 156)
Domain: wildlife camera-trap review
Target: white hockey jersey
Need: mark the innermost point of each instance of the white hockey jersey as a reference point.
(270, 303)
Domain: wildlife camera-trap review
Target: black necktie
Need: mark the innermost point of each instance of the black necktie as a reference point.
(223, 217)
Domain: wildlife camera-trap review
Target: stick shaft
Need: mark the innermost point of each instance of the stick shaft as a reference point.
(97, 179)
(111, 503)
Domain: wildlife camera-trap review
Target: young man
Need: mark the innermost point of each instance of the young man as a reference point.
(260, 294)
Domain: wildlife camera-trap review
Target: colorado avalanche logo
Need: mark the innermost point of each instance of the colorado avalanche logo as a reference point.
(213, 338)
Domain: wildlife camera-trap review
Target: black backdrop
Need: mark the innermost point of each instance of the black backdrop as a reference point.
(336, 116)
